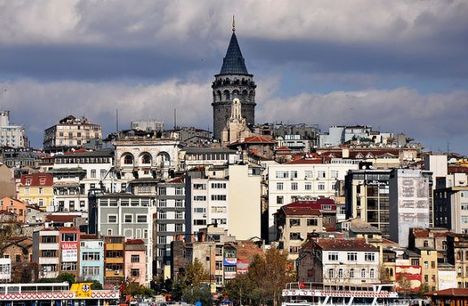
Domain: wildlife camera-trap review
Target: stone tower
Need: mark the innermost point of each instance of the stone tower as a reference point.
(233, 81)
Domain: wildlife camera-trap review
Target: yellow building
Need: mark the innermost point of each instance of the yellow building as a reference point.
(429, 268)
(37, 188)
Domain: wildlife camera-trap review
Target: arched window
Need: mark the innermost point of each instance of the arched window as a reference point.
(146, 159)
(128, 159)
(331, 273)
(227, 95)
(351, 273)
(340, 273)
(363, 273)
(371, 273)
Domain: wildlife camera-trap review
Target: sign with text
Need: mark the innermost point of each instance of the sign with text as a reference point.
(69, 251)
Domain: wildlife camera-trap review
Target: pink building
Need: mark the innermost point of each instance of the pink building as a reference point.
(135, 261)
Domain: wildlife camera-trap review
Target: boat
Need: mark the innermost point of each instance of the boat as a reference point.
(314, 294)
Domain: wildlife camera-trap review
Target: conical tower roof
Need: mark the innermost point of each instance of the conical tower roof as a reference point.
(233, 62)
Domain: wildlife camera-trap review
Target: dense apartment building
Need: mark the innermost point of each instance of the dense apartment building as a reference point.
(18, 208)
(37, 189)
(339, 261)
(135, 261)
(91, 258)
(130, 216)
(114, 261)
(457, 255)
(170, 221)
(12, 136)
(295, 221)
(70, 132)
(451, 208)
(306, 178)
(368, 197)
(410, 202)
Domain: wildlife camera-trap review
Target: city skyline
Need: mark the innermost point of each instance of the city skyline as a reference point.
(399, 68)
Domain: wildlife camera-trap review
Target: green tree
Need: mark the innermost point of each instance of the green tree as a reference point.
(196, 273)
(200, 292)
(135, 289)
(66, 277)
(96, 285)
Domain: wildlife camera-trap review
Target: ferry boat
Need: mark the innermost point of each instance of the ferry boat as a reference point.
(312, 294)
(55, 294)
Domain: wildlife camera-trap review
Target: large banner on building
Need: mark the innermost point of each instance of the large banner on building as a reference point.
(69, 251)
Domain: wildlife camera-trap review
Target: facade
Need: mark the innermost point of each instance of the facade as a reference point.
(46, 252)
(204, 157)
(233, 81)
(7, 182)
(130, 216)
(302, 179)
(368, 197)
(339, 261)
(5, 270)
(457, 255)
(37, 189)
(70, 132)
(135, 261)
(92, 258)
(410, 202)
(114, 261)
(297, 220)
(169, 222)
(14, 206)
(12, 136)
(451, 208)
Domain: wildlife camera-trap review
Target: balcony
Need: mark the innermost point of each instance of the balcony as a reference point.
(114, 260)
(114, 246)
(114, 273)
(48, 260)
(49, 246)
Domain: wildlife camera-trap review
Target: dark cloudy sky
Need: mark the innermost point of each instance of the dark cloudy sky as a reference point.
(399, 66)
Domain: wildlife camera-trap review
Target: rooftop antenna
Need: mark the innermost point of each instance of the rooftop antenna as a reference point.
(233, 24)
(175, 118)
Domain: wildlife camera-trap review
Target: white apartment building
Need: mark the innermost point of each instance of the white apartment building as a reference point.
(410, 202)
(230, 198)
(206, 203)
(302, 179)
(46, 252)
(71, 132)
(11, 135)
(77, 173)
(339, 261)
(5, 270)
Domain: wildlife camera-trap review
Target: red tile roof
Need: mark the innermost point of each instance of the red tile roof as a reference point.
(328, 244)
(457, 169)
(37, 179)
(451, 292)
(309, 207)
(60, 218)
(134, 241)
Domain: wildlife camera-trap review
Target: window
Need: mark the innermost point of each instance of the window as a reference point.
(294, 174)
(179, 203)
(295, 236)
(309, 174)
(218, 197)
(128, 159)
(321, 174)
(162, 203)
(334, 174)
(179, 227)
(321, 186)
(200, 210)
(93, 173)
(91, 256)
(162, 191)
(279, 186)
(68, 237)
(372, 273)
(199, 186)
(49, 239)
(308, 186)
(363, 273)
(162, 215)
(279, 200)
(369, 257)
(135, 258)
(68, 266)
(294, 222)
(331, 273)
(199, 198)
(146, 159)
(333, 256)
(312, 222)
(282, 174)
(135, 272)
(340, 273)
(90, 271)
(179, 215)
(219, 265)
(351, 273)
(128, 218)
(352, 256)
(199, 222)
(111, 218)
(218, 185)
(294, 186)
(179, 191)
(142, 219)
(230, 269)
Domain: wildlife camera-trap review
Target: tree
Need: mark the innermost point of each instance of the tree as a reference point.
(196, 273)
(200, 292)
(96, 285)
(135, 289)
(66, 277)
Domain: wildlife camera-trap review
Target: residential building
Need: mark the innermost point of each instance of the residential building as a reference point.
(46, 252)
(130, 216)
(410, 202)
(69, 250)
(114, 261)
(306, 178)
(135, 261)
(295, 221)
(14, 206)
(433, 238)
(7, 182)
(21, 157)
(368, 197)
(457, 255)
(338, 261)
(37, 188)
(170, 221)
(91, 258)
(451, 208)
(5, 270)
(19, 252)
(70, 132)
(12, 136)
(205, 157)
